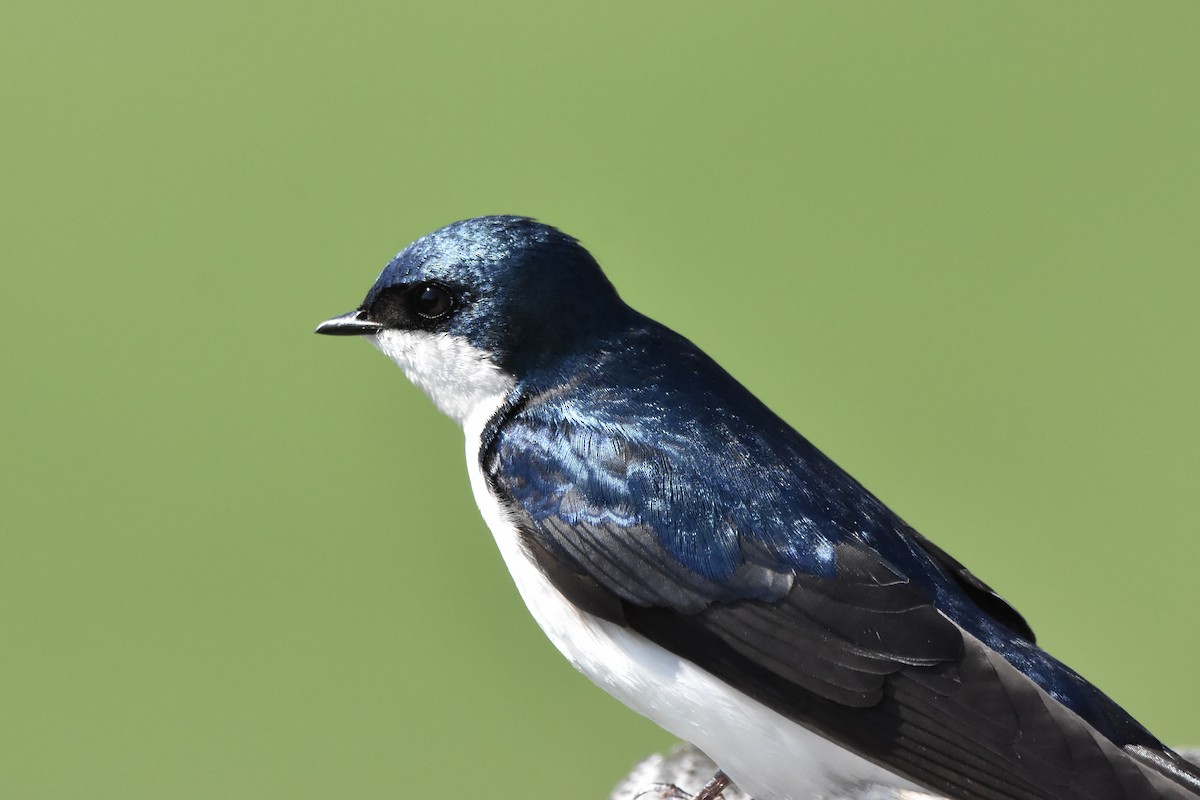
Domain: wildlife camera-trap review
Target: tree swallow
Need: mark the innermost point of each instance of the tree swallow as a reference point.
(701, 561)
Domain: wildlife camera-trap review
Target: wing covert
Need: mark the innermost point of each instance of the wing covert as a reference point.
(735, 544)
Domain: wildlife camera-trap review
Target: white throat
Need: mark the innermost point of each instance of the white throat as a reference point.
(459, 378)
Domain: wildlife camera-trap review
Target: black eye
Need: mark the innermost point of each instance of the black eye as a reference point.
(431, 301)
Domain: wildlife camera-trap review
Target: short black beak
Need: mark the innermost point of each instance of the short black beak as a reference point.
(352, 324)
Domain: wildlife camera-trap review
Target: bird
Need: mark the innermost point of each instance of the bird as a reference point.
(696, 557)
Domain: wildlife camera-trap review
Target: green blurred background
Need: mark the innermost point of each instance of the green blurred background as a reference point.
(956, 245)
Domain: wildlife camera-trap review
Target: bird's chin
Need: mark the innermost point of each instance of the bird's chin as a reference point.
(458, 377)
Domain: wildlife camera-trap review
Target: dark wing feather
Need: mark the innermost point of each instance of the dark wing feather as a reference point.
(865, 659)
(983, 595)
(700, 520)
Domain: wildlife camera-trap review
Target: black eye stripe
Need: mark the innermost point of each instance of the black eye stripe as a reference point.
(420, 305)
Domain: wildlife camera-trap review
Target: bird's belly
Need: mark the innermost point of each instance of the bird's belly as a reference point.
(765, 754)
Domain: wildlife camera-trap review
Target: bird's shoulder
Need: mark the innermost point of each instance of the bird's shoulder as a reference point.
(648, 432)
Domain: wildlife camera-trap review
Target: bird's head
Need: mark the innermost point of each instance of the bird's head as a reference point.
(472, 308)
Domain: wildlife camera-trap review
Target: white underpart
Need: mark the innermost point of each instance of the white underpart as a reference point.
(458, 377)
(766, 754)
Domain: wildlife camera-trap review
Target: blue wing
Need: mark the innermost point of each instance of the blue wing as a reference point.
(685, 509)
